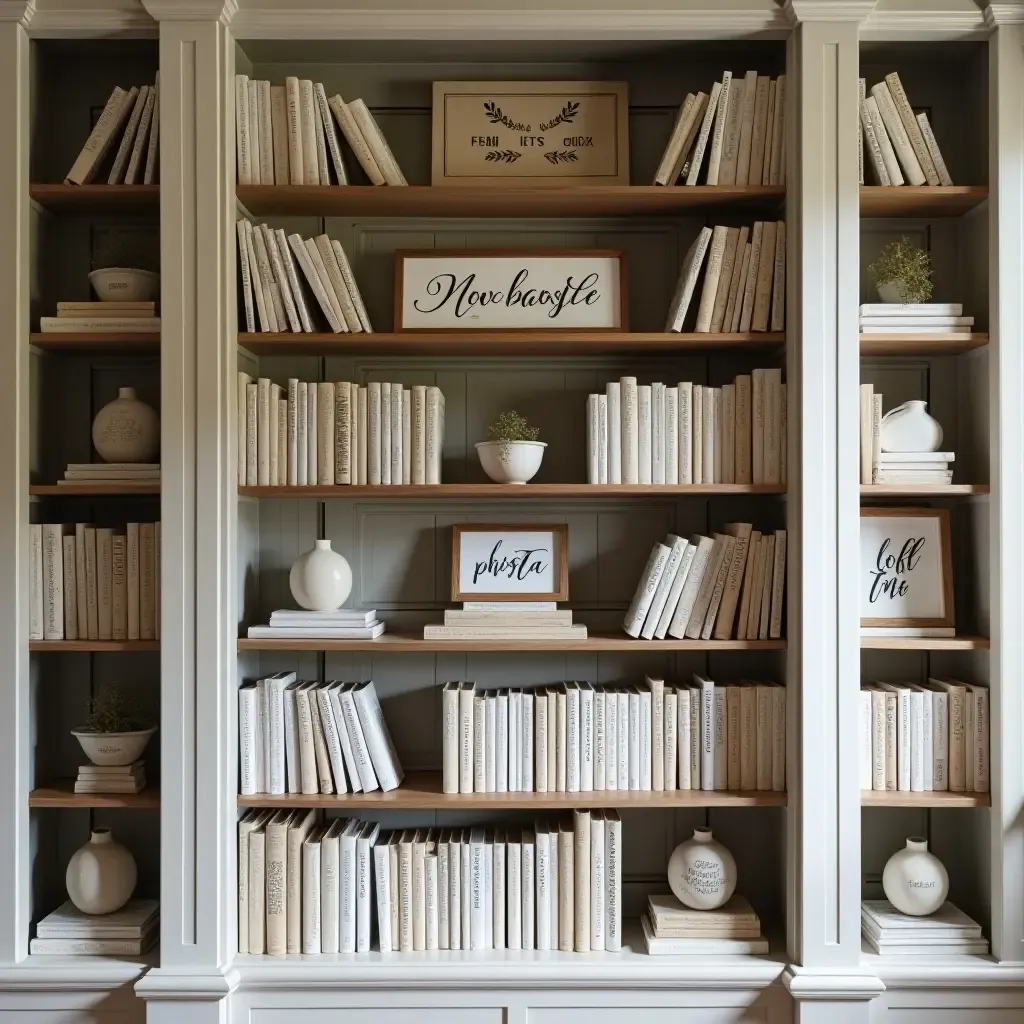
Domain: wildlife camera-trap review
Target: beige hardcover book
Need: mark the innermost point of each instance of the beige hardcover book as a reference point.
(325, 434)
(866, 402)
(266, 131)
(764, 615)
(92, 584)
(710, 436)
(242, 148)
(148, 581)
(912, 128)
(320, 135)
(691, 128)
(707, 586)
(763, 728)
(754, 622)
(566, 888)
(778, 317)
(748, 585)
(716, 257)
(891, 744)
(753, 269)
(657, 688)
(263, 431)
(276, 875)
(746, 131)
(877, 738)
(374, 138)
(266, 277)
(772, 425)
(136, 162)
(273, 432)
(765, 273)
(734, 324)
(748, 736)
(718, 135)
(251, 432)
(257, 888)
(933, 149)
(119, 591)
(897, 134)
(778, 738)
(82, 587)
(255, 277)
(732, 737)
(862, 91)
(758, 424)
(957, 731)
(307, 125)
(878, 123)
(104, 582)
(760, 131)
(778, 586)
(663, 172)
(296, 159)
(354, 136)
(872, 143)
(353, 289)
(581, 875)
(769, 133)
(343, 453)
(876, 435)
(783, 432)
(698, 433)
(735, 278)
(728, 438)
(138, 98)
(254, 133)
(279, 133)
(71, 589)
(705, 130)
(253, 820)
(733, 130)
(734, 579)
(724, 287)
(316, 274)
(711, 615)
(289, 301)
(343, 307)
(299, 828)
(777, 170)
(743, 472)
(152, 149)
(87, 164)
(330, 129)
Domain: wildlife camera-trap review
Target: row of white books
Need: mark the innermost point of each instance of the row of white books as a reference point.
(97, 778)
(900, 145)
(310, 887)
(730, 586)
(101, 318)
(883, 467)
(133, 116)
(949, 931)
(321, 434)
(745, 282)
(914, 318)
(94, 583)
(68, 931)
(672, 929)
(303, 737)
(578, 738)
(286, 135)
(689, 433)
(927, 737)
(741, 126)
(272, 290)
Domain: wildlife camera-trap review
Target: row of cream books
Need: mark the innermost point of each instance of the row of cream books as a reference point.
(740, 125)
(923, 738)
(94, 583)
(68, 931)
(101, 318)
(133, 116)
(321, 434)
(900, 145)
(885, 467)
(286, 135)
(308, 737)
(672, 929)
(729, 586)
(578, 738)
(689, 433)
(744, 284)
(269, 261)
(949, 931)
(309, 887)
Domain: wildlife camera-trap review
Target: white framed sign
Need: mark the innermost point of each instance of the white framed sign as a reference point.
(510, 562)
(906, 569)
(502, 290)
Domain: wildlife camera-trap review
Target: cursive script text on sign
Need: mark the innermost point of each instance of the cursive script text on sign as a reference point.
(889, 576)
(519, 565)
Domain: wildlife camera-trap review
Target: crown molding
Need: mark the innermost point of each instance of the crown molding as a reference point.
(187, 984)
(223, 11)
(34, 975)
(921, 25)
(20, 11)
(828, 10)
(84, 20)
(1004, 14)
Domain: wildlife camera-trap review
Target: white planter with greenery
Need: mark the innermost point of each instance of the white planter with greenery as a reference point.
(113, 733)
(512, 455)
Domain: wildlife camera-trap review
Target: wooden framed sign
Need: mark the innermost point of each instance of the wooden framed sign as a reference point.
(906, 568)
(508, 290)
(510, 562)
(530, 134)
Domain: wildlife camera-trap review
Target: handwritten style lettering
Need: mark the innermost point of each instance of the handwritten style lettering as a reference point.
(520, 565)
(889, 577)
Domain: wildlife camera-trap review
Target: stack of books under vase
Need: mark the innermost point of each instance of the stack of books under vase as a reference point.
(914, 318)
(342, 624)
(948, 931)
(102, 778)
(79, 473)
(68, 931)
(671, 928)
(509, 620)
(110, 317)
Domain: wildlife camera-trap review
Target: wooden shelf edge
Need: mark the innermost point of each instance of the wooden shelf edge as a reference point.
(61, 793)
(922, 490)
(924, 643)
(920, 200)
(84, 342)
(98, 197)
(877, 798)
(93, 646)
(94, 490)
(505, 492)
(923, 344)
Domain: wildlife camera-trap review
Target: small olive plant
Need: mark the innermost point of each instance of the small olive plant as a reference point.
(111, 711)
(510, 427)
(907, 267)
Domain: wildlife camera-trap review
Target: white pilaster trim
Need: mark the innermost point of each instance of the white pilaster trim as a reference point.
(35, 975)
(190, 984)
(810, 985)
(221, 11)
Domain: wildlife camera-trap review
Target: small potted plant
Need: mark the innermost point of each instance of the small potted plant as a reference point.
(511, 454)
(903, 273)
(124, 268)
(114, 732)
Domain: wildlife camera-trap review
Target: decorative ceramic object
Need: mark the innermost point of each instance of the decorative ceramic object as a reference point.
(892, 292)
(914, 880)
(321, 579)
(101, 875)
(122, 284)
(909, 428)
(113, 748)
(511, 462)
(702, 872)
(126, 430)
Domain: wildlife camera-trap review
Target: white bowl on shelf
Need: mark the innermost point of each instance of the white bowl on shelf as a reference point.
(113, 748)
(511, 462)
(122, 284)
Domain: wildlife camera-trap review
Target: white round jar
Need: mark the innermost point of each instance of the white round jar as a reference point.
(101, 875)
(914, 880)
(702, 872)
(126, 429)
(320, 579)
(910, 428)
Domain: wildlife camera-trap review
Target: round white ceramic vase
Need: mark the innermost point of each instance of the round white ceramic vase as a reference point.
(321, 579)
(510, 462)
(914, 880)
(126, 429)
(702, 872)
(910, 428)
(101, 875)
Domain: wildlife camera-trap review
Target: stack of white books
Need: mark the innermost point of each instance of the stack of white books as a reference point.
(130, 931)
(740, 127)
(728, 586)
(577, 738)
(101, 318)
(689, 433)
(302, 737)
(948, 931)
(286, 135)
(108, 472)
(321, 434)
(343, 624)
(671, 928)
(133, 117)
(100, 778)
(507, 620)
(745, 283)
(885, 467)
(900, 145)
(925, 737)
(914, 318)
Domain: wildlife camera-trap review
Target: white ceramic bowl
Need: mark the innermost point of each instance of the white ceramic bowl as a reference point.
(511, 462)
(113, 748)
(121, 284)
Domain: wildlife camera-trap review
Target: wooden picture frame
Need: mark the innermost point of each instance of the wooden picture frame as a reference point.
(884, 571)
(503, 280)
(462, 590)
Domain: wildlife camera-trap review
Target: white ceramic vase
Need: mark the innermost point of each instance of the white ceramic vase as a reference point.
(321, 579)
(113, 748)
(914, 880)
(126, 429)
(910, 428)
(702, 872)
(510, 462)
(123, 284)
(891, 291)
(101, 875)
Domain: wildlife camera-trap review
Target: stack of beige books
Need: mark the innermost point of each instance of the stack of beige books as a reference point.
(514, 620)
(949, 931)
(103, 778)
(102, 318)
(68, 931)
(670, 928)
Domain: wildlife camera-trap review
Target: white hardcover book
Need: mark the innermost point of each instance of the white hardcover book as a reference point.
(645, 758)
(872, 142)
(450, 738)
(242, 145)
(292, 756)
(125, 150)
(466, 737)
(600, 739)
(718, 136)
(630, 431)
(623, 741)
(912, 129)
(598, 882)
(513, 890)
(527, 884)
(706, 693)
(685, 423)
(254, 132)
(573, 747)
(710, 112)
(546, 883)
(693, 585)
(613, 881)
(671, 428)
(307, 255)
(377, 144)
(657, 433)
(291, 274)
(289, 309)
(864, 760)
(385, 433)
(916, 741)
(349, 128)
(634, 738)
(903, 734)
(312, 444)
(677, 549)
(561, 738)
(479, 743)
(332, 728)
(455, 909)
(582, 877)
(689, 271)
(382, 889)
(655, 699)
(431, 905)
(279, 133)
(720, 726)
(302, 433)
(753, 273)
(263, 431)
(383, 757)
(308, 779)
(477, 890)
(716, 257)
(643, 598)
(407, 436)
(443, 893)
(248, 739)
(940, 739)
(644, 434)
(933, 149)
(405, 892)
(490, 700)
(396, 433)
(610, 701)
(330, 887)
(266, 133)
(526, 752)
(892, 164)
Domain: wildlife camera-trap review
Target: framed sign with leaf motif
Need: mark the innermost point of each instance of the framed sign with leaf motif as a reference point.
(530, 134)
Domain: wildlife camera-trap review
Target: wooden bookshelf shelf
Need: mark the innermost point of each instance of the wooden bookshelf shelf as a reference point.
(61, 793)
(422, 791)
(113, 489)
(507, 492)
(924, 643)
(508, 343)
(495, 201)
(92, 646)
(93, 342)
(921, 490)
(88, 199)
(890, 798)
(920, 344)
(920, 200)
(397, 643)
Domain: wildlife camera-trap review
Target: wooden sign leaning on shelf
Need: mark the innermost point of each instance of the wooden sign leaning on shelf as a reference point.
(510, 562)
